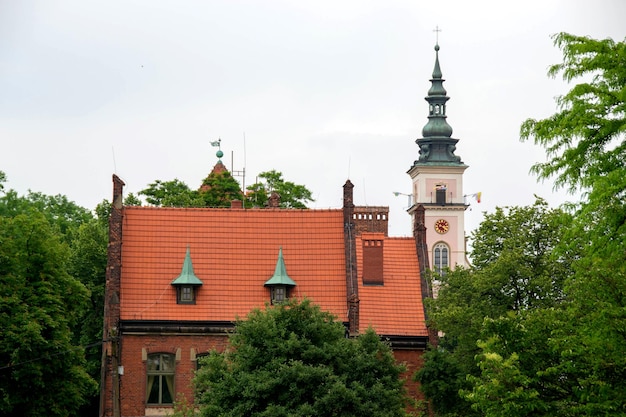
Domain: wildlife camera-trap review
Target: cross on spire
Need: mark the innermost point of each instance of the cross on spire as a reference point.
(437, 30)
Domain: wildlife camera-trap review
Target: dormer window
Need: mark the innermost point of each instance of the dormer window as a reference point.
(280, 283)
(187, 283)
(186, 294)
(278, 293)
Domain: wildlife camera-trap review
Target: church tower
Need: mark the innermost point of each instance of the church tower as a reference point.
(438, 181)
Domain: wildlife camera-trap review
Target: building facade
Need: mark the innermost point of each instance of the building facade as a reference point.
(178, 278)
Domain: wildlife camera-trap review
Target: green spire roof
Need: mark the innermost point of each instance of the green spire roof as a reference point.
(187, 277)
(280, 276)
(437, 146)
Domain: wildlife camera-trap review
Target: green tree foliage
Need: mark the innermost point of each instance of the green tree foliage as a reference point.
(132, 200)
(294, 360)
(74, 226)
(517, 269)
(173, 193)
(88, 259)
(291, 195)
(64, 215)
(3, 179)
(570, 359)
(219, 189)
(42, 370)
(586, 145)
(584, 140)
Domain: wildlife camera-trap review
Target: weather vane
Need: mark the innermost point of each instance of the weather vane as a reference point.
(218, 143)
(437, 30)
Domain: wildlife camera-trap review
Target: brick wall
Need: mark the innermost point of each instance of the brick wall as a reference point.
(135, 348)
(413, 360)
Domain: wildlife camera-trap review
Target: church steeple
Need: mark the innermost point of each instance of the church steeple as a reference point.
(437, 145)
(438, 182)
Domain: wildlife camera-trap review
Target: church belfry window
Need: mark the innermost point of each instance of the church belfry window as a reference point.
(440, 194)
(441, 257)
(280, 283)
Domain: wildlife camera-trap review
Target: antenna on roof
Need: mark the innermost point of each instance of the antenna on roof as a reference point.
(114, 164)
(240, 173)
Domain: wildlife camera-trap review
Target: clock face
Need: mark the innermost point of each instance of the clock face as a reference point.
(442, 226)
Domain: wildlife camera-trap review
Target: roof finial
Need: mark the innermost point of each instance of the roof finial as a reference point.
(437, 30)
(218, 143)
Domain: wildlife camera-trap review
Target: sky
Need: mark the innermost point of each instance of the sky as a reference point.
(322, 91)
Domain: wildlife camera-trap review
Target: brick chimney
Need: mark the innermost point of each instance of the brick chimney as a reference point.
(371, 219)
(109, 378)
(419, 233)
(274, 200)
(349, 234)
(373, 255)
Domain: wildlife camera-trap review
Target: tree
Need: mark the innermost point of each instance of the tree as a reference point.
(87, 263)
(516, 269)
(70, 223)
(132, 200)
(219, 189)
(64, 215)
(42, 369)
(173, 193)
(291, 195)
(293, 359)
(585, 140)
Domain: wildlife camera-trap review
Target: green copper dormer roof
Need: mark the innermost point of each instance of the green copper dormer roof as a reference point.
(280, 276)
(436, 147)
(187, 276)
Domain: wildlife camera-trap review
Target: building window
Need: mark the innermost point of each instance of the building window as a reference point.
(200, 360)
(160, 386)
(441, 257)
(278, 294)
(440, 193)
(186, 294)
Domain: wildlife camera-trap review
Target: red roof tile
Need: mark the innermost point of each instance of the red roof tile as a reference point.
(396, 307)
(233, 252)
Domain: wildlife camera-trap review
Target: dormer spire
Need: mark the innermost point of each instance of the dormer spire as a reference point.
(187, 276)
(280, 276)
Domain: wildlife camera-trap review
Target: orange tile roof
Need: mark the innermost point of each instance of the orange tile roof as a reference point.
(233, 252)
(396, 307)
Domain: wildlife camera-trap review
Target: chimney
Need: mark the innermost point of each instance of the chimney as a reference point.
(274, 200)
(236, 204)
(352, 285)
(373, 255)
(373, 219)
(109, 378)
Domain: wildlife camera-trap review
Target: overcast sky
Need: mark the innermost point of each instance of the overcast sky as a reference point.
(322, 91)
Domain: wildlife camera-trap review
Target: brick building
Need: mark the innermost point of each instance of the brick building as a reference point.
(178, 278)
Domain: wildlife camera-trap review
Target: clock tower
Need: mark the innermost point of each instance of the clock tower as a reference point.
(438, 182)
